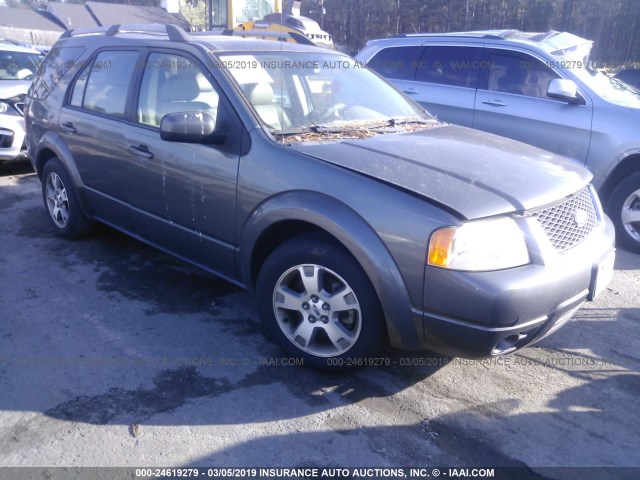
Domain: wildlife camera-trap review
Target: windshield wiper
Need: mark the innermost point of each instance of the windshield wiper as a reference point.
(392, 122)
(369, 124)
(356, 127)
(625, 85)
(289, 131)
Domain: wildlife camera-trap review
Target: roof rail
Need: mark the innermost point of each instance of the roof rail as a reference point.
(297, 37)
(451, 34)
(174, 32)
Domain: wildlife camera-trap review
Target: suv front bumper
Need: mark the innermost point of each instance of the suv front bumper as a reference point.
(481, 314)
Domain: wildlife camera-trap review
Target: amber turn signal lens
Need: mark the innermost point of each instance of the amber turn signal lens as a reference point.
(441, 247)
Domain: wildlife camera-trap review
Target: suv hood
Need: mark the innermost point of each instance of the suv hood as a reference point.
(475, 173)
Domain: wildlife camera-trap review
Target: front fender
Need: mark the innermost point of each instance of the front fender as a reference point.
(404, 322)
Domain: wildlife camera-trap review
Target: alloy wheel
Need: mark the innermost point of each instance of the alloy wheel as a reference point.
(317, 310)
(57, 200)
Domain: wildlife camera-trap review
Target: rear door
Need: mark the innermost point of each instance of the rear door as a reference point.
(398, 65)
(512, 102)
(92, 124)
(446, 81)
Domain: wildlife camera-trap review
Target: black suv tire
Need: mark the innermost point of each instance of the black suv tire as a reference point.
(61, 202)
(319, 304)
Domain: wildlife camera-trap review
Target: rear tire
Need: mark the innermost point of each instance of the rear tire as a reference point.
(61, 202)
(318, 304)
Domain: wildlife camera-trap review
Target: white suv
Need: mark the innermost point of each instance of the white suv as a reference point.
(17, 68)
(539, 88)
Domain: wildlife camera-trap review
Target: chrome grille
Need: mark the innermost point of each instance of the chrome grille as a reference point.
(569, 223)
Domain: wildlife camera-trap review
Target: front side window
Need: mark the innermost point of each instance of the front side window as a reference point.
(520, 74)
(455, 66)
(103, 86)
(170, 84)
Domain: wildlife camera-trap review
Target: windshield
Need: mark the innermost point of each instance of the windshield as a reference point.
(608, 88)
(294, 92)
(18, 65)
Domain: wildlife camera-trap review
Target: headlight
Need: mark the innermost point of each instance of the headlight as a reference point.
(479, 246)
(7, 109)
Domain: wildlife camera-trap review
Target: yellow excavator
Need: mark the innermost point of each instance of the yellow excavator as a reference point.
(270, 17)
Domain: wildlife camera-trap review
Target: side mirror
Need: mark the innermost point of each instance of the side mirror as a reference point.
(565, 90)
(190, 127)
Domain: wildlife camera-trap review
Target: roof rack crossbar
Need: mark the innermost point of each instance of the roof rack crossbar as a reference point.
(113, 29)
(84, 31)
(177, 33)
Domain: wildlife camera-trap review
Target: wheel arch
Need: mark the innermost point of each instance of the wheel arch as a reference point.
(625, 167)
(294, 213)
(52, 146)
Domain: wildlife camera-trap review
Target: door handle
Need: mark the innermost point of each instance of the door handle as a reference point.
(140, 151)
(495, 103)
(68, 127)
(410, 91)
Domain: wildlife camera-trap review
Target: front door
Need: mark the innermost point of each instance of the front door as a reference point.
(513, 103)
(195, 214)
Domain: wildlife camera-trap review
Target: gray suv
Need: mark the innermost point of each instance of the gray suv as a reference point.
(289, 170)
(538, 88)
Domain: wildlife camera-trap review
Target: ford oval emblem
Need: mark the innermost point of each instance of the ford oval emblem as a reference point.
(580, 218)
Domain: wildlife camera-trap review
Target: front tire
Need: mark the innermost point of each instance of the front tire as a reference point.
(624, 210)
(61, 201)
(317, 302)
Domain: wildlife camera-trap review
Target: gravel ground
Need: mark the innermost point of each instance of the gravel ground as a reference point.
(113, 354)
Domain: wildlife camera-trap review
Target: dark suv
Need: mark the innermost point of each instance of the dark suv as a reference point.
(290, 170)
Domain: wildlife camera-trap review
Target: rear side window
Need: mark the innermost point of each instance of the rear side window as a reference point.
(456, 66)
(103, 86)
(396, 62)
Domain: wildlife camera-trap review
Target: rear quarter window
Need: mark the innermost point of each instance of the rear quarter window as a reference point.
(57, 63)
